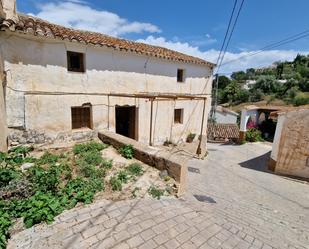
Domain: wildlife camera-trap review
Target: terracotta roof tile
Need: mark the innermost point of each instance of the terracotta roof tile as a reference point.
(220, 132)
(39, 27)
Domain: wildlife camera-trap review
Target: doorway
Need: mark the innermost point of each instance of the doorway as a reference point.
(126, 121)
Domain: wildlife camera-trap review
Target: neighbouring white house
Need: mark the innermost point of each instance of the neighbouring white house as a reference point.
(61, 84)
(258, 117)
(225, 116)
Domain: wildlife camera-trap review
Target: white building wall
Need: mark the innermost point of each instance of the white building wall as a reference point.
(41, 65)
(276, 142)
(225, 118)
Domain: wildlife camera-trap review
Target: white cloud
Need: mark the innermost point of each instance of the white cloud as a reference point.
(262, 59)
(77, 14)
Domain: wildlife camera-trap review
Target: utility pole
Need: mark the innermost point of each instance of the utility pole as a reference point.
(215, 101)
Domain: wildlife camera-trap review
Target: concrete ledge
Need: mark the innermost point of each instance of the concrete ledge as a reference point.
(176, 165)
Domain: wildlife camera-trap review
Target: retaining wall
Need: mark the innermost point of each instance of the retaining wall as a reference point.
(176, 165)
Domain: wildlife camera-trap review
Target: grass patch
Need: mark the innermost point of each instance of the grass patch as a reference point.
(155, 192)
(126, 151)
(135, 169)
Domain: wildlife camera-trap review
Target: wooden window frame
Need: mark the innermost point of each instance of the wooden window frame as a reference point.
(81, 56)
(178, 117)
(181, 76)
(89, 123)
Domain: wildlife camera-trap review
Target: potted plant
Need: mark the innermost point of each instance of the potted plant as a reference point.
(190, 137)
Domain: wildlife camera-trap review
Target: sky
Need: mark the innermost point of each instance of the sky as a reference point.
(195, 27)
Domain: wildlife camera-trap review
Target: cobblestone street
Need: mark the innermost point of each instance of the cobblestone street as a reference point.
(231, 203)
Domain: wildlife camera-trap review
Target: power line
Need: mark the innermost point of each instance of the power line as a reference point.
(227, 30)
(224, 49)
(231, 34)
(273, 45)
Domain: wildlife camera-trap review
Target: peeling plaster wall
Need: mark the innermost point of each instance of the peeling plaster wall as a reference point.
(36, 65)
(293, 152)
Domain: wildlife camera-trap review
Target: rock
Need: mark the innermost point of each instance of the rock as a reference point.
(14, 143)
(26, 166)
(17, 227)
(163, 174)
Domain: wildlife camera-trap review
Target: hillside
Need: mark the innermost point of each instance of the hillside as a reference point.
(283, 83)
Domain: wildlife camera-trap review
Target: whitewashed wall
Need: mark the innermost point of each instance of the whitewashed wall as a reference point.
(276, 142)
(41, 65)
(225, 118)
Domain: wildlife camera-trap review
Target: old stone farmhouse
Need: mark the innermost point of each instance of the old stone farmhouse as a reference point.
(61, 84)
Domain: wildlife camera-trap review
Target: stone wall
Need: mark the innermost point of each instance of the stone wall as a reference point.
(293, 155)
(20, 137)
(161, 159)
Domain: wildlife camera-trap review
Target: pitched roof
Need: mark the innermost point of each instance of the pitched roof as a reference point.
(223, 109)
(220, 132)
(41, 28)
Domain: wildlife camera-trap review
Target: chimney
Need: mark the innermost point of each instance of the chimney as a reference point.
(8, 10)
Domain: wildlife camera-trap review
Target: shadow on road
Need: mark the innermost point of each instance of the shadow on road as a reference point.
(258, 163)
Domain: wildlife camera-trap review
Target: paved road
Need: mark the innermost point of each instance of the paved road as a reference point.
(266, 207)
(241, 206)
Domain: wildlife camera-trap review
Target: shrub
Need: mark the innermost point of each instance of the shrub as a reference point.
(80, 190)
(123, 176)
(45, 180)
(254, 135)
(20, 151)
(107, 164)
(5, 223)
(48, 158)
(115, 183)
(91, 157)
(156, 192)
(7, 175)
(126, 151)
(255, 95)
(17, 188)
(91, 146)
(42, 207)
(301, 99)
(135, 169)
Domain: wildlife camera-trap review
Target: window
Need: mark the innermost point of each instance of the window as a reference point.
(81, 117)
(180, 75)
(178, 116)
(75, 62)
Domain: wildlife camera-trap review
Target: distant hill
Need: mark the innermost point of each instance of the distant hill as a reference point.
(285, 82)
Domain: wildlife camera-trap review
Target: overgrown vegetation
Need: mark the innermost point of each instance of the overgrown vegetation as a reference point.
(155, 192)
(124, 176)
(287, 81)
(127, 151)
(254, 135)
(58, 181)
(49, 186)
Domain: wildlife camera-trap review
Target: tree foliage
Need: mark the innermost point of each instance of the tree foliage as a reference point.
(288, 81)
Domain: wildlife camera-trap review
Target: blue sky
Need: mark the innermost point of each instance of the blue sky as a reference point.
(195, 27)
